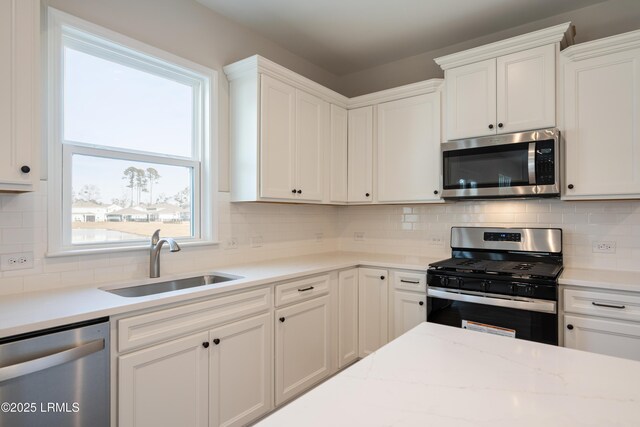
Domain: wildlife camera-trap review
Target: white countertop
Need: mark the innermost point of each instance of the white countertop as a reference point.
(443, 376)
(32, 311)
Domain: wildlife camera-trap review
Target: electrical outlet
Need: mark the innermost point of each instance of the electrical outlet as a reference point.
(358, 236)
(319, 237)
(436, 241)
(232, 243)
(17, 261)
(256, 241)
(604, 247)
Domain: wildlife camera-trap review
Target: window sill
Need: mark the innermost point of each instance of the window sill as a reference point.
(120, 249)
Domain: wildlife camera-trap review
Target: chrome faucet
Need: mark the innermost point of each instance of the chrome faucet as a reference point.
(154, 255)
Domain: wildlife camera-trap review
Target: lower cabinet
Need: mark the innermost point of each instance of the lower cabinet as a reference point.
(165, 385)
(347, 317)
(221, 377)
(409, 310)
(302, 341)
(373, 313)
(611, 337)
(241, 371)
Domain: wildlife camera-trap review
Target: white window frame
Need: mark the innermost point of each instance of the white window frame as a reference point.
(66, 30)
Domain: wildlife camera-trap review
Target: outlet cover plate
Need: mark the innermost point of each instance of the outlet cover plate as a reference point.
(16, 261)
(602, 247)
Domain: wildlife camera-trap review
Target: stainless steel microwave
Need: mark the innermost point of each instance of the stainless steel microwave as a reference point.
(524, 164)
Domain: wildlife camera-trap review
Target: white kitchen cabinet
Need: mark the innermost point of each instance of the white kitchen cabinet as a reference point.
(408, 145)
(19, 94)
(347, 317)
(312, 128)
(605, 336)
(360, 158)
(526, 90)
(471, 100)
(409, 310)
(277, 139)
(165, 385)
(506, 86)
(601, 95)
(373, 315)
(338, 167)
(302, 347)
(241, 371)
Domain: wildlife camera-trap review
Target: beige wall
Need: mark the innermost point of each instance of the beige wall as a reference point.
(593, 22)
(192, 31)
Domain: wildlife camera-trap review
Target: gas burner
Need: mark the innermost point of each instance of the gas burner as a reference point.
(468, 262)
(524, 266)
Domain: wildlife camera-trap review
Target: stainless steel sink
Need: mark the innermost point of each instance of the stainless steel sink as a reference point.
(172, 285)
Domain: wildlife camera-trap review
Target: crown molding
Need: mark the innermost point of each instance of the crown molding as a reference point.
(607, 45)
(562, 34)
(413, 89)
(257, 64)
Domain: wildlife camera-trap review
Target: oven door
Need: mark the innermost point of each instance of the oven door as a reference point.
(531, 320)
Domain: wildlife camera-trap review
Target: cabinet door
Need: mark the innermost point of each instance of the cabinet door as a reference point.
(526, 88)
(471, 100)
(347, 317)
(339, 154)
(409, 310)
(602, 126)
(312, 116)
(241, 373)
(360, 155)
(614, 338)
(19, 94)
(409, 149)
(165, 385)
(302, 347)
(373, 313)
(277, 139)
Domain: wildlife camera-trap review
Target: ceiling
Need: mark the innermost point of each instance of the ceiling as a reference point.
(344, 36)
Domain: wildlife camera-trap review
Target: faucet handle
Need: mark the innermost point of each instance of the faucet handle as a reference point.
(155, 238)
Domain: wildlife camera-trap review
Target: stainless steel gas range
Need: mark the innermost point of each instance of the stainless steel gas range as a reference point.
(502, 281)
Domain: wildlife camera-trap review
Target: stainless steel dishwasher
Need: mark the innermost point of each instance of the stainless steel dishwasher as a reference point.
(56, 377)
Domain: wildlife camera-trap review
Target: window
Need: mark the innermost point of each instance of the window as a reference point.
(130, 149)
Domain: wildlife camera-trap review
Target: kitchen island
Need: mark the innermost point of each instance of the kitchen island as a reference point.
(443, 376)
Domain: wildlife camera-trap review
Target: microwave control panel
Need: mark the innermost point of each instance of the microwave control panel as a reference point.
(545, 163)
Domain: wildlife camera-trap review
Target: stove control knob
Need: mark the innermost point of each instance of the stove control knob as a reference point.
(458, 283)
(484, 285)
(444, 281)
(512, 289)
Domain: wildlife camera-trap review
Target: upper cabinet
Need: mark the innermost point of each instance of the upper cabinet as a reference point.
(360, 158)
(504, 87)
(280, 134)
(19, 94)
(338, 160)
(600, 94)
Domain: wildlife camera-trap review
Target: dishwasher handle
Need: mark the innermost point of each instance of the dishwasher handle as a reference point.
(51, 360)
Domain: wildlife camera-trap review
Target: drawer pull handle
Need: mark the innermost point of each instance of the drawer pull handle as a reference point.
(598, 304)
(415, 282)
(305, 289)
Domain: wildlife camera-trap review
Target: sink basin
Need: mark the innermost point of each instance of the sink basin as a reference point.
(172, 285)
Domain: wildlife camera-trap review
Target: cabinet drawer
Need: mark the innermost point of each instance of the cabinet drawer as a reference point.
(605, 304)
(301, 290)
(162, 325)
(410, 281)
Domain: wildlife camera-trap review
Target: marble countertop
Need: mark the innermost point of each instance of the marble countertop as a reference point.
(443, 376)
(605, 279)
(33, 311)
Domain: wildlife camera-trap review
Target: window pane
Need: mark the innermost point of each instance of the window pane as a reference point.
(119, 200)
(106, 103)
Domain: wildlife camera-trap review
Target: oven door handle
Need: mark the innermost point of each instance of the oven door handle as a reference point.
(529, 305)
(531, 163)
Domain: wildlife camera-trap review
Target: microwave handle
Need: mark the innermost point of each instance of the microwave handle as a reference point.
(531, 161)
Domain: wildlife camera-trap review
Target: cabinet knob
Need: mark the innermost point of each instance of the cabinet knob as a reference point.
(216, 341)
(381, 277)
(490, 126)
(367, 194)
(421, 303)
(299, 191)
(570, 186)
(435, 191)
(282, 319)
(570, 327)
(293, 191)
(25, 169)
(500, 125)
(205, 344)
